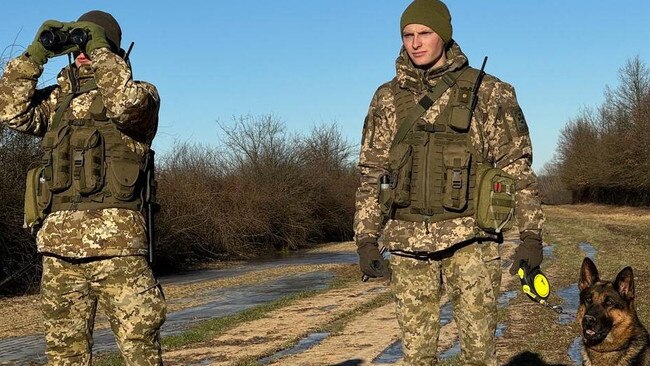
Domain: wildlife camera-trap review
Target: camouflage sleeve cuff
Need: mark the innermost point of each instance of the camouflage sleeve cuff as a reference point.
(99, 52)
(366, 240)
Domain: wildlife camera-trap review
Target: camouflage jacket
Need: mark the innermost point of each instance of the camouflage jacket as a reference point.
(133, 105)
(496, 132)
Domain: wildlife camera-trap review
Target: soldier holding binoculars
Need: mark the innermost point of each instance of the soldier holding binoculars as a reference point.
(85, 202)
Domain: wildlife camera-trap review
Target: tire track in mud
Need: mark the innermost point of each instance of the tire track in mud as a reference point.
(277, 329)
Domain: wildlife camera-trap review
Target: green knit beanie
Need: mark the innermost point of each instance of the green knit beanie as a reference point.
(432, 13)
(110, 25)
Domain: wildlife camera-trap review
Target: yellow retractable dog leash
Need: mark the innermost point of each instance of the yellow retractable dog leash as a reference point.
(534, 283)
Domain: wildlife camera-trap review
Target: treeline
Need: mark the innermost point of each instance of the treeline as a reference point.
(261, 189)
(603, 154)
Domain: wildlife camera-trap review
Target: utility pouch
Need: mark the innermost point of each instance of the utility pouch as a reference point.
(88, 160)
(456, 186)
(56, 159)
(37, 198)
(401, 173)
(495, 199)
(460, 114)
(123, 173)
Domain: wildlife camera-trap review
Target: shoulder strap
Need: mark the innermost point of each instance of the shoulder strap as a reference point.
(447, 81)
(65, 103)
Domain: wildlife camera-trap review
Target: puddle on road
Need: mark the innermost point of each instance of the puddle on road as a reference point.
(304, 344)
(574, 351)
(505, 297)
(232, 301)
(225, 302)
(570, 302)
(392, 354)
(446, 313)
(257, 265)
(589, 250)
(451, 352)
(570, 295)
(548, 251)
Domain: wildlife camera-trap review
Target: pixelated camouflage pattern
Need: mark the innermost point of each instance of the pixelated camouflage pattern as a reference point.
(126, 291)
(133, 105)
(496, 133)
(472, 276)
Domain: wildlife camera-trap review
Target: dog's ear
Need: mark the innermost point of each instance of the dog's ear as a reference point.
(588, 274)
(624, 283)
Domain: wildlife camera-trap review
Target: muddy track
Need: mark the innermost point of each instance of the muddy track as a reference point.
(363, 336)
(354, 323)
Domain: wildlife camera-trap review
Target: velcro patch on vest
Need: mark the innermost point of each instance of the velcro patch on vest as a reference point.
(520, 121)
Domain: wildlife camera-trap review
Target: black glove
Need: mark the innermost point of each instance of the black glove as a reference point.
(530, 250)
(370, 260)
(38, 53)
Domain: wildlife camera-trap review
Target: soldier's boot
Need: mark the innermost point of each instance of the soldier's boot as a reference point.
(416, 287)
(473, 276)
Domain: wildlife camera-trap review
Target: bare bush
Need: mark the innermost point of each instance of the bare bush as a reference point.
(19, 266)
(262, 189)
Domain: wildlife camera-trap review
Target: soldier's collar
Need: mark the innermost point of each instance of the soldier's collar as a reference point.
(418, 80)
(83, 74)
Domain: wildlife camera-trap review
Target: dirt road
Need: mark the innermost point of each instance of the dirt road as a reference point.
(347, 322)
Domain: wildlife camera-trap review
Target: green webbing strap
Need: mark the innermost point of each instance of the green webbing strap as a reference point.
(447, 81)
(58, 115)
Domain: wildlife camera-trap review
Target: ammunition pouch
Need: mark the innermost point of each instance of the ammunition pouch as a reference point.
(37, 198)
(455, 189)
(88, 161)
(56, 159)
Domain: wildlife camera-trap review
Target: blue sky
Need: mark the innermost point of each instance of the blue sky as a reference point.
(310, 62)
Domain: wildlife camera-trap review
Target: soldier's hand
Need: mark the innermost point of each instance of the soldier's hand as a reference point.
(96, 36)
(530, 250)
(38, 53)
(370, 260)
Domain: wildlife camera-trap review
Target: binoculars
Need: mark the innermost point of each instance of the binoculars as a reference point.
(53, 39)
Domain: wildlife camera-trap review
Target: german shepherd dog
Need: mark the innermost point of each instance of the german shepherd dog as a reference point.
(611, 331)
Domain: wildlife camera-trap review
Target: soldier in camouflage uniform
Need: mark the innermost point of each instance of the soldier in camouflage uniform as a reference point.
(441, 245)
(93, 240)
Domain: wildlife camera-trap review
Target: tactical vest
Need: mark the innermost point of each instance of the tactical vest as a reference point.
(433, 165)
(86, 163)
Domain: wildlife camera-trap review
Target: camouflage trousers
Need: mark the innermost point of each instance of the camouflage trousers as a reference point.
(125, 289)
(471, 277)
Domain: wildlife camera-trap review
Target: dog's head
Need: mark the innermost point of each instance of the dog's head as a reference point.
(606, 308)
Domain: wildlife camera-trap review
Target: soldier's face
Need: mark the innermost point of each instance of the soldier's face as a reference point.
(81, 59)
(424, 46)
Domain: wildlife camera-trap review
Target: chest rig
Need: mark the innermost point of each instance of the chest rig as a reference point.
(86, 163)
(433, 166)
